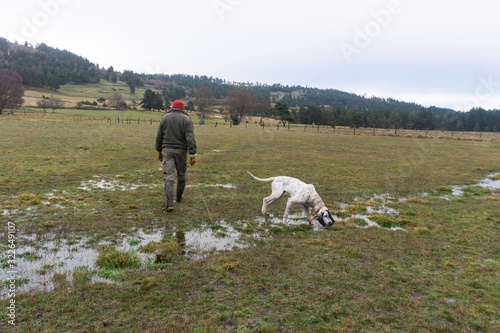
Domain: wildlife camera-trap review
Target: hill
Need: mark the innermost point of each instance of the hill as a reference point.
(44, 66)
(47, 71)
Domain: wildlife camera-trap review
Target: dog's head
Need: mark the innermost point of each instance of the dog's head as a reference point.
(325, 218)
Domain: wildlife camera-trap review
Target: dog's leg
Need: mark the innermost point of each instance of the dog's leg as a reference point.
(290, 202)
(276, 194)
(269, 201)
(307, 210)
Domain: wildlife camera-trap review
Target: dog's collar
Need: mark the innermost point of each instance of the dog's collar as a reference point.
(315, 217)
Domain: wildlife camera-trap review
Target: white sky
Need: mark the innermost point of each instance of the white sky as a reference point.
(443, 53)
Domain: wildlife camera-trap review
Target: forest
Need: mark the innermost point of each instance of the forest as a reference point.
(46, 67)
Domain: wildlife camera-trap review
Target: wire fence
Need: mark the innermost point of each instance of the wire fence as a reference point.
(268, 124)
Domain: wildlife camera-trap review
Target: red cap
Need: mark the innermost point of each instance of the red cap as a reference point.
(178, 105)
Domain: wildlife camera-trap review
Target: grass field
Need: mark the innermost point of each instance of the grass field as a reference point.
(432, 263)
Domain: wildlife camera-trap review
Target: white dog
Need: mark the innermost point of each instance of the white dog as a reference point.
(300, 194)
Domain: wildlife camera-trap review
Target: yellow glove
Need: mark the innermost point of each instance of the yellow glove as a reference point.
(160, 157)
(192, 160)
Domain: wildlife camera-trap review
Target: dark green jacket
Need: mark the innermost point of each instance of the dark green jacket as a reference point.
(176, 131)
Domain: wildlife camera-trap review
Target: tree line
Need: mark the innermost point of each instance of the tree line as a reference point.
(477, 119)
(44, 66)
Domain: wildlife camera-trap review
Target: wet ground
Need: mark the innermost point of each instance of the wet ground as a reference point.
(43, 255)
(40, 256)
(491, 183)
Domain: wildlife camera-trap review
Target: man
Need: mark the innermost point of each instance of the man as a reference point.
(174, 140)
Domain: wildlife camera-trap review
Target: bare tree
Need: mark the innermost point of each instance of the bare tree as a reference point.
(11, 89)
(50, 103)
(262, 107)
(117, 101)
(204, 99)
(240, 102)
(55, 103)
(44, 104)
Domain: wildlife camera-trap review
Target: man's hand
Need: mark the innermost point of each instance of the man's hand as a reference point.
(160, 157)
(192, 160)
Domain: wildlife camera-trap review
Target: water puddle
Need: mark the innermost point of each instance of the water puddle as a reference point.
(361, 212)
(110, 184)
(492, 183)
(40, 257)
(293, 219)
(375, 211)
(9, 212)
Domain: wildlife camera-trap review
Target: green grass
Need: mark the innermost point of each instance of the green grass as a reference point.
(440, 275)
(110, 257)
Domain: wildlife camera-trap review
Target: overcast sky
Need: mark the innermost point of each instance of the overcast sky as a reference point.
(443, 53)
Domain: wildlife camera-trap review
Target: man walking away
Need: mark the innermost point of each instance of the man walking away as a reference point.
(174, 141)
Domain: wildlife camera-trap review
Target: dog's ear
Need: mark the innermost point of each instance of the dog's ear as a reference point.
(331, 217)
(321, 219)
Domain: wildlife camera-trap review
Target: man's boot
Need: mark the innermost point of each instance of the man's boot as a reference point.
(181, 184)
(169, 194)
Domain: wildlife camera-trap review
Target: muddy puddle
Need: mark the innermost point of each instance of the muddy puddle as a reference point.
(40, 256)
(492, 183)
(341, 212)
(111, 184)
(377, 205)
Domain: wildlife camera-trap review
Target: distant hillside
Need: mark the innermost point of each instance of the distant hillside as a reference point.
(46, 67)
(295, 96)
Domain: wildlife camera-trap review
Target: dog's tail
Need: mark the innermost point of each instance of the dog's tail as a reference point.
(262, 180)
